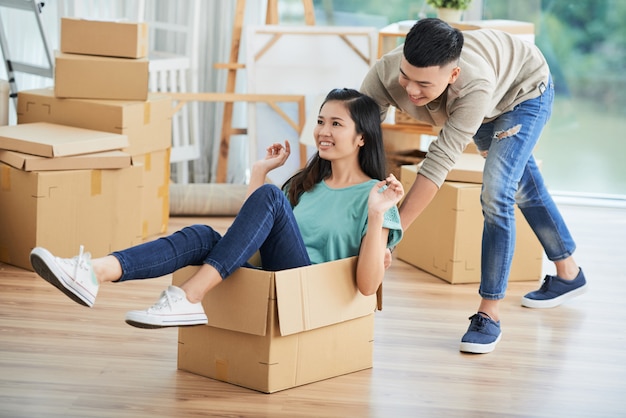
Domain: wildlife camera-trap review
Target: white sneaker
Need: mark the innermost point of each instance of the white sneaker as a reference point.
(171, 310)
(72, 276)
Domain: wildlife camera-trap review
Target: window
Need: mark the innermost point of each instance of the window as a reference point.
(584, 41)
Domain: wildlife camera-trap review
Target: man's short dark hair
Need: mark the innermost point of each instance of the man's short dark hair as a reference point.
(432, 43)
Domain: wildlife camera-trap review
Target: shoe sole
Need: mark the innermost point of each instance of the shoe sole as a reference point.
(43, 264)
(475, 348)
(554, 302)
(155, 323)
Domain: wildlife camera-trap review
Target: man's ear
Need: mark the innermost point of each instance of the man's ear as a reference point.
(454, 74)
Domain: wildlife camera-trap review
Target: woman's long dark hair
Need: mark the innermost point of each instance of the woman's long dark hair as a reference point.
(366, 116)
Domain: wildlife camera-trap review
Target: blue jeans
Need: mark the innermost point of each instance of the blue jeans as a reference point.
(265, 223)
(511, 176)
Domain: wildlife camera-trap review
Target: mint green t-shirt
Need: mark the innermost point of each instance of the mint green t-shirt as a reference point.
(333, 221)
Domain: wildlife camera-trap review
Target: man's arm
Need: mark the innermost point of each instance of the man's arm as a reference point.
(419, 196)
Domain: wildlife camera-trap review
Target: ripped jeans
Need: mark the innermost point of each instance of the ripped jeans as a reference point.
(511, 176)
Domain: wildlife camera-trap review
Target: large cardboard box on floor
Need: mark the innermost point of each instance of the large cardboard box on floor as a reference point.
(94, 77)
(445, 240)
(147, 124)
(53, 140)
(270, 331)
(104, 37)
(61, 210)
(155, 207)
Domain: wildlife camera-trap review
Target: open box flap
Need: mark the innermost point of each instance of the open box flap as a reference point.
(320, 295)
(240, 302)
(93, 161)
(52, 140)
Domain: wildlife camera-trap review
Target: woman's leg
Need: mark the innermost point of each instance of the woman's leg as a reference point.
(265, 223)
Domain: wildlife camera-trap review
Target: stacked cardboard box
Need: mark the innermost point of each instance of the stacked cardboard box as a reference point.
(445, 240)
(88, 162)
(102, 60)
(62, 187)
(110, 57)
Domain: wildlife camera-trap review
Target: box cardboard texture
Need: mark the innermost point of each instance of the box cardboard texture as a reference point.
(96, 160)
(85, 207)
(96, 77)
(147, 124)
(445, 240)
(105, 38)
(52, 140)
(271, 331)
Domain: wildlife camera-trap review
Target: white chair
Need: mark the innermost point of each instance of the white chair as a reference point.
(173, 36)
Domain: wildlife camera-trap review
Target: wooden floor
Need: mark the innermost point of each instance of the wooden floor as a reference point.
(58, 359)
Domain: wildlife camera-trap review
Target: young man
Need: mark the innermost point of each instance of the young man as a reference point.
(495, 89)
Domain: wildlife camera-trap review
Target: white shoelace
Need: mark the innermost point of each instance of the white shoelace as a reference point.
(165, 302)
(80, 261)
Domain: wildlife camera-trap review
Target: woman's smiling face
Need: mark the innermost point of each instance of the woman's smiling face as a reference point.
(335, 132)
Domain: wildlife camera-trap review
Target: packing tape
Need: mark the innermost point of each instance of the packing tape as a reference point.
(147, 112)
(164, 193)
(5, 178)
(221, 370)
(96, 182)
(144, 229)
(147, 162)
(164, 190)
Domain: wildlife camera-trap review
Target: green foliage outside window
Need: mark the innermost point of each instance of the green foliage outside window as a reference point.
(584, 42)
(450, 4)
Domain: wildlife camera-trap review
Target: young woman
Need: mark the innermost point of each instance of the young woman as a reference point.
(340, 205)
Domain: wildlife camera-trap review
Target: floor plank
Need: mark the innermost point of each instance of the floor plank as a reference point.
(58, 359)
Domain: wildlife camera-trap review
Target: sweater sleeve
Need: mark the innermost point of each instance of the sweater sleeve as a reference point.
(466, 116)
(392, 222)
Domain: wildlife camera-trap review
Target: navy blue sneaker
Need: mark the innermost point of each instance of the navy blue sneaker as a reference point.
(482, 335)
(555, 291)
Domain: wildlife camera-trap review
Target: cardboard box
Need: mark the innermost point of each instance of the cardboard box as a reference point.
(155, 207)
(445, 240)
(270, 331)
(106, 38)
(524, 30)
(97, 160)
(61, 210)
(468, 168)
(95, 77)
(52, 140)
(147, 124)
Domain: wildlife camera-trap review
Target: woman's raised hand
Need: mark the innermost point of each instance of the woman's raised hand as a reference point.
(276, 156)
(385, 194)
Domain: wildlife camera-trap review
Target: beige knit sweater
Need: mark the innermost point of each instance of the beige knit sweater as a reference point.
(498, 71)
